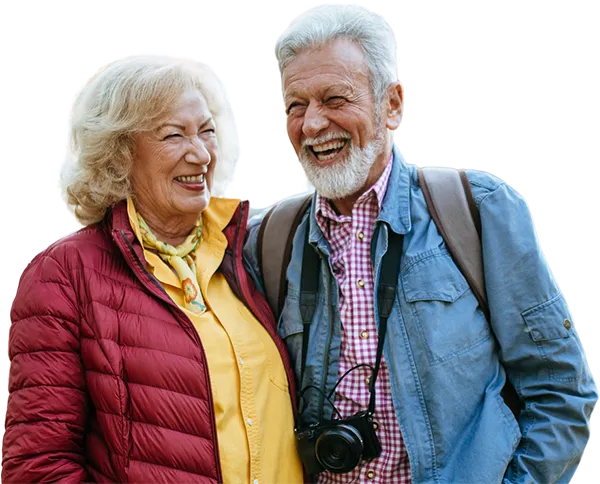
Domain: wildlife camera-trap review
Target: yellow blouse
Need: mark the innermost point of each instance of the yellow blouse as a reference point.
(250, 391)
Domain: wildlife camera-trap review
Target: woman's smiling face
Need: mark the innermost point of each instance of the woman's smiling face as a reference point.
(173, 164)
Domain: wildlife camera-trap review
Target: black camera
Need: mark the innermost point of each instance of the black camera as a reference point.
(338, 445)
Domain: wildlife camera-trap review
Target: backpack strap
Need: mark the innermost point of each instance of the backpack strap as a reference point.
(275, 239)
(453, 209)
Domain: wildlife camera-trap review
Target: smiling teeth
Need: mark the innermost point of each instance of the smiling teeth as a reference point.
(332, 145)
(191, 179)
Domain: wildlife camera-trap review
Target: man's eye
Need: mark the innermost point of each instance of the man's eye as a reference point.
(335, 100)
(294, 108)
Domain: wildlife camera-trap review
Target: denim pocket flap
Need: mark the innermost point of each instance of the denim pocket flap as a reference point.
(435, 278)
(549, 320)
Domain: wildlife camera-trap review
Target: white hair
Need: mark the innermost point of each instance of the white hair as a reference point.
(321, 25)
(342, 179)
(126, 97)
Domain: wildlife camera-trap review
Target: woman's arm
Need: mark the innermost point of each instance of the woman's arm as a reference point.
(47, 406)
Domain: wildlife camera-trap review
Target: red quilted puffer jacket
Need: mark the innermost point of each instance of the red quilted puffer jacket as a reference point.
(108, 381)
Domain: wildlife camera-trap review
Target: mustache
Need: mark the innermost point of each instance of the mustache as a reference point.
(325, 138)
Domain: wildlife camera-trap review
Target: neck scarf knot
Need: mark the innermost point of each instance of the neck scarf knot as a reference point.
(182, 260)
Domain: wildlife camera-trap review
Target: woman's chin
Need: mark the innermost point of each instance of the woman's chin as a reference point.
(193, 205)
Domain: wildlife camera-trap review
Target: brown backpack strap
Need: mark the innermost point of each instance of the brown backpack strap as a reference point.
(448, 203)
(471, 201)
(453, 209)
(275, 239)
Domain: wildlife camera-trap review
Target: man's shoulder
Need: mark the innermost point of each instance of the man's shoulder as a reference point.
(483, 183)
(256, 216)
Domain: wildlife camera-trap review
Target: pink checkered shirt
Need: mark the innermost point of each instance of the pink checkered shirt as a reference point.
(350, 241)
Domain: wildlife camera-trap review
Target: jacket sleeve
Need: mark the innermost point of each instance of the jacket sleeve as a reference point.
(47, 405)
(539, 346)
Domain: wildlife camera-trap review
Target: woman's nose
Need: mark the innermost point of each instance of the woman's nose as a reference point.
(197, 153)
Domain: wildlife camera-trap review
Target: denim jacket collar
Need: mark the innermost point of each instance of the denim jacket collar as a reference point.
(395, 210)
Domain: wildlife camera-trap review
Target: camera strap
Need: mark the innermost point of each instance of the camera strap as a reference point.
(386, 294)
(309, 286)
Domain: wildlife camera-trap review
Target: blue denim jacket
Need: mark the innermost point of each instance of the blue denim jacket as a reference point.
(447, 363)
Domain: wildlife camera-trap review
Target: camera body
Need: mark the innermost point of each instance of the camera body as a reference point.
(338, 445)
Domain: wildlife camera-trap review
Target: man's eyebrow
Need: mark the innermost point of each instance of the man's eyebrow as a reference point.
(289, 96)
(338, 89)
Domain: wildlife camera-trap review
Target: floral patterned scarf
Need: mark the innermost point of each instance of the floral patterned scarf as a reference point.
(182, 260)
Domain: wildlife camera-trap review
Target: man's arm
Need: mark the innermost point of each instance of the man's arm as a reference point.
(539, 346)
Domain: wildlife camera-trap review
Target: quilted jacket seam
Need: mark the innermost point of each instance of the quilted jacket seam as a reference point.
(114, 279)
(130, 312)
(45, 422)
(45, 350)
(168, 390)
(169, 467)
(171, 430)
(142, 348)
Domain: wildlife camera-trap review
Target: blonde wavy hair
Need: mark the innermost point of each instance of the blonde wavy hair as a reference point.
(126, 97)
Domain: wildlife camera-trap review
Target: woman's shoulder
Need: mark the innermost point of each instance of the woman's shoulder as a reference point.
(83, 246)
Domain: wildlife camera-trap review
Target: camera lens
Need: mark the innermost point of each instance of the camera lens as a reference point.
(339, 449)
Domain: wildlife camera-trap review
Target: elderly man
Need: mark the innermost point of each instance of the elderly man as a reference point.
(430, 408)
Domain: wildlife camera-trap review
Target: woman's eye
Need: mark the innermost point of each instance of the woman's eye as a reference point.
(170, 136)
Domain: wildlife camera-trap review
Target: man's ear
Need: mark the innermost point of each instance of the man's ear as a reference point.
(394, 107)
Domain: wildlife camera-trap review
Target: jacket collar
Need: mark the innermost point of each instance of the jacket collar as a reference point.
(117, 221)
(395, 210)
(222, 215)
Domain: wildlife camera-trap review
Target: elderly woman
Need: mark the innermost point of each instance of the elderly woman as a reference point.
(141, 351)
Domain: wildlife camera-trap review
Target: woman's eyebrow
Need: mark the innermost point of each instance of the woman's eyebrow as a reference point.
(175, 125)
(182, 127)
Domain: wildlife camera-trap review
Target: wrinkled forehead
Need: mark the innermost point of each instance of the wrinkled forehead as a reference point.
(190, 106)
(340, 62)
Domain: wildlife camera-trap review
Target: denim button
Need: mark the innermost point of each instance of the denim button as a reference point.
(567, 324)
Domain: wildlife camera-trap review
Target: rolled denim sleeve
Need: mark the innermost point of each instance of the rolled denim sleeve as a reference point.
(538, 343)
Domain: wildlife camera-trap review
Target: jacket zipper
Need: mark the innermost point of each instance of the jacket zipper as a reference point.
(189, 328)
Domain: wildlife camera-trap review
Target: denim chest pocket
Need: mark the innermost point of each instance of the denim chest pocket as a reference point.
(445, 311)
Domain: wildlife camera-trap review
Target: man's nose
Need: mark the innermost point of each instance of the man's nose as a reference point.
(197, 152)
(314, 121)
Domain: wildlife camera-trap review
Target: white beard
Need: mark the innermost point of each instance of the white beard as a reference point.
(345, 177)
